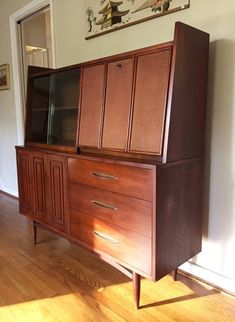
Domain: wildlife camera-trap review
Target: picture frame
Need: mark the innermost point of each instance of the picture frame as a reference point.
(103, 16)
(4, 77)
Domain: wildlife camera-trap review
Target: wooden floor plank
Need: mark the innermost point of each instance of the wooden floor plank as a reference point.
(58, 281)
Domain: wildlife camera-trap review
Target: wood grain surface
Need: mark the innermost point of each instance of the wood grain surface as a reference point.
(59, 282)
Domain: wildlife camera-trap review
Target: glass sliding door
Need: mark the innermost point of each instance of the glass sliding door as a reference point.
(53, 101)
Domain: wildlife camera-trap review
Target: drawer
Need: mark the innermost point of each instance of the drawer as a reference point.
(128, 180)
(124, 211)
(127, 247)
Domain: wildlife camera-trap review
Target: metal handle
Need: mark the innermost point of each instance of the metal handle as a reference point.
(106, 237)
(103, 205)
(119, 65)
(103, 175)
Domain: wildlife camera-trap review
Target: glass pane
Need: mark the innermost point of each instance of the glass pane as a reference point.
(62, 122)
(39, 106)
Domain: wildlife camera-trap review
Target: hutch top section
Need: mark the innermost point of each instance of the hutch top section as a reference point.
(147, 104)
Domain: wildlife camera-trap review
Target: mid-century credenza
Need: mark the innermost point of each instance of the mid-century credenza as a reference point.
(114, 153)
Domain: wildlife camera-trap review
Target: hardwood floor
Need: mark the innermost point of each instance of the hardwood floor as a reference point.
(58, 281)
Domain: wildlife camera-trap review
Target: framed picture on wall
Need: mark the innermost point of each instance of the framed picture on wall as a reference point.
(104, 16)
(4, 77)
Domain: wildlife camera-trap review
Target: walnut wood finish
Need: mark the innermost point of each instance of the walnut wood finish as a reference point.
(143, 216)
(39, 187)
(124, 211)
(136, 289)
(24, 177)
(132, 181)
(185, 125)
(92, 88)
(175, 274)
(57, 190)
(47, 185)
(35, 232)
(122, 244)
(117, 104)
(150, 97)
(179, 214)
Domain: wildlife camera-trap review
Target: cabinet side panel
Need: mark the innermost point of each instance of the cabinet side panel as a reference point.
(187, 98)
(150, 102)
(91, 106)
(117, 105)
(179, 214)
(24, 184)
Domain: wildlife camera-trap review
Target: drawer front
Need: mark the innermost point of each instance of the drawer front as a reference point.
(133, 181)
(128, 247)
(124, 211)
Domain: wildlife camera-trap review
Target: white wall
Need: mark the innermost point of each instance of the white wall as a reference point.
(215, 17)
(8, 131)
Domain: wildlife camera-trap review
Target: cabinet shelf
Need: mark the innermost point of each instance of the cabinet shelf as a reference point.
(69, 108)
(53, 108)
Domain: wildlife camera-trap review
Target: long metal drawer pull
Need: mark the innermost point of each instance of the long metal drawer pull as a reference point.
(106, 237)
(103, 205)
(104, 175)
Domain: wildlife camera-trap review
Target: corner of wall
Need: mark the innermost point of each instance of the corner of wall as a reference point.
(7, 190)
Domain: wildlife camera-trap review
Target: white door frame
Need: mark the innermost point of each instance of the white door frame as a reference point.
(20, 14)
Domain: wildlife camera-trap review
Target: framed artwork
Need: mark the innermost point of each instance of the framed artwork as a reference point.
(4, 77)
(104, 16)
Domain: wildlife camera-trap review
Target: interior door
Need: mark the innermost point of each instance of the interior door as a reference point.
(35, 41)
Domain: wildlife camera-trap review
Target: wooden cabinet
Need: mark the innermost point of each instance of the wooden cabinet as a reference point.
(43, 187)
(131, 191)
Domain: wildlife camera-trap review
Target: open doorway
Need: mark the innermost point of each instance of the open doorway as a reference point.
(32, 43)
(35, 41)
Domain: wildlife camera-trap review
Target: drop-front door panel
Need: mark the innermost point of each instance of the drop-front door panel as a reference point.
(150, 102)
(91, 105)
(118, 104)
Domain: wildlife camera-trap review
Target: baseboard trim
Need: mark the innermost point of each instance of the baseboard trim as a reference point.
(9, 192)
(209, 277)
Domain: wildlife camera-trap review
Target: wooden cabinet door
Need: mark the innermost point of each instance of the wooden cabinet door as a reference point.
(117, 104)
(150, 102)
(56, 167)
(39, 187)
(91, 106)
(24, 182)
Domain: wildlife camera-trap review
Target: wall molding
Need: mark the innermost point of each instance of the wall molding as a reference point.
(20, 14)
(214, 279)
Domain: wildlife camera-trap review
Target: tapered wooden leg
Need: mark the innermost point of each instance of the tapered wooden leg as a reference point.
(136, 288)
(35, 232)
(175, 274)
